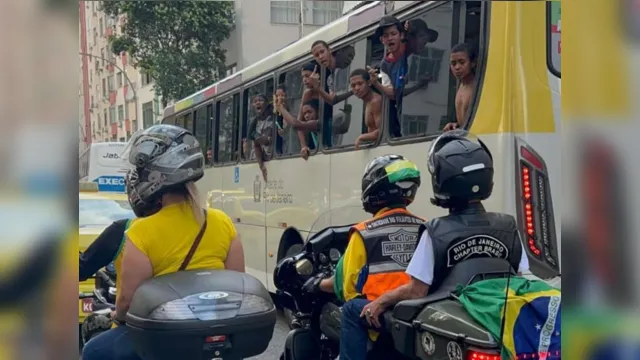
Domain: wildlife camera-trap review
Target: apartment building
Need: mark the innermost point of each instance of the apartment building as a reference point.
(263, 27)
(121, 98)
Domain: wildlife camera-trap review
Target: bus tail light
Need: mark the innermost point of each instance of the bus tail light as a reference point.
(535, 209)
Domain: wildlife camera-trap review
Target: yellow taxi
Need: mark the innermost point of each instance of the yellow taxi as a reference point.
(97, 210)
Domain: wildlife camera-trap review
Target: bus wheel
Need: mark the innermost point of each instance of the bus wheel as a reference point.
(288, 314)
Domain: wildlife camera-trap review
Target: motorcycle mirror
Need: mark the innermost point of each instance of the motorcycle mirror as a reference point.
(304, 267)
(334, 254)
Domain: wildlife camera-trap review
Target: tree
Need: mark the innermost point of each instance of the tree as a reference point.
(178, 43)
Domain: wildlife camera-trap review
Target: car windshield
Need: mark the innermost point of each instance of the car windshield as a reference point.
(102, 212)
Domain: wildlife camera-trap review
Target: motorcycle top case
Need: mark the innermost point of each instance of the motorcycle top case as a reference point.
(201, 314)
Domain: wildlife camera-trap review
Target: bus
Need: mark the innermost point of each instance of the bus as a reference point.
(515, 110)
(101, 163)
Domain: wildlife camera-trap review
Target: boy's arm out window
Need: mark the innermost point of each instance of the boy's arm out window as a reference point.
(384, 86)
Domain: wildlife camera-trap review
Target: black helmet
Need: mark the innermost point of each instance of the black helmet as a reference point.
(164, 157)
(461, 169)
(389, 180)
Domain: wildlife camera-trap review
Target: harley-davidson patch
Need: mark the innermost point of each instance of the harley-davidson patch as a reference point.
(401, 247)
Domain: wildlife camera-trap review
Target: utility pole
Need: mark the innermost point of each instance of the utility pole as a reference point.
(124, 73)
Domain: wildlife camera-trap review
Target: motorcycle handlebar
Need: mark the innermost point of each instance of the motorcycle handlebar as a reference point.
(103, 275)
(86, 295)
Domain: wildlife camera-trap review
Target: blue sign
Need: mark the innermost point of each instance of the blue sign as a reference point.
(236, 175)
(111, 183)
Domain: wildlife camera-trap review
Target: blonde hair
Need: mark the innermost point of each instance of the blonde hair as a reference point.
(193, 195)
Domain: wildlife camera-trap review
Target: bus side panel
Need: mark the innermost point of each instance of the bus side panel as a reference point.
(295, 195)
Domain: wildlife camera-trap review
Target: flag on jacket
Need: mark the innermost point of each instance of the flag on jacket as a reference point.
(532, 318)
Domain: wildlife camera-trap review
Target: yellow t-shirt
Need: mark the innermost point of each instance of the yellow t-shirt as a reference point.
(166, 237)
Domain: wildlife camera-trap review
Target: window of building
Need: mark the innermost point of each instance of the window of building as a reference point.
(231, 69)
(111, 84)
(424, 106)
(112, 115)
(102, 56)
(250, 114)
(227, 130)
(147, 115)
(323, 12)
(343, 122)
(119, 80)
(123, 139)
(317, 13)
(145, 78)
(95, 36)
(104, 88)
(285, 12)
(120, 114)
(554, 41)
(105, 118)
(134, 125)
(101, 27)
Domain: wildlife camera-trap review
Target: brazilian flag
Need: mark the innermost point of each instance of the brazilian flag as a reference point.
(532, 319)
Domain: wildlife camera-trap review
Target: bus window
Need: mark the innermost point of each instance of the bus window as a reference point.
(343, 120)
(554, 43)
(188, 121)
(171, 120)
(293, 88)
(257, 120)
(426, 102)
(180, 121)
(227, 130)
(200, 130)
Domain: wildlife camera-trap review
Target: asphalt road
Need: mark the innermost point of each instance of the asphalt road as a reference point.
(277, 341)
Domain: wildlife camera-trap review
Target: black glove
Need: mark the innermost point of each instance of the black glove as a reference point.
(313, 284)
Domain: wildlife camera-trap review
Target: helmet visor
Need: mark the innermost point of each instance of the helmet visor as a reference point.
(144, 146)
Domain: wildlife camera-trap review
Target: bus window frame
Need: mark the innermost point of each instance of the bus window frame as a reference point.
(230, 95)
(548, 45)
(244, 102)
(208, 136)
(294, 66)
(459, 23)
(366, 34)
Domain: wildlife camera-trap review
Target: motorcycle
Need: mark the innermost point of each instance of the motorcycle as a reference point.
(192, 314)
(434, 327)
(101, 301)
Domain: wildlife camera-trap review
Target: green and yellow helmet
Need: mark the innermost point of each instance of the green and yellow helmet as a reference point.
(389, 181)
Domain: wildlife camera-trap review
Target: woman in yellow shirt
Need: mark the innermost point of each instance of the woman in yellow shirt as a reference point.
(167, 161)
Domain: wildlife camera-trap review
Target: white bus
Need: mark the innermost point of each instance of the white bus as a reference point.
(515, 111)
(101, 163)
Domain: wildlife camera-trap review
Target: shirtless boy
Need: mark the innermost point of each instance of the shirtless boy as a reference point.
(359, 80)
(463, 66)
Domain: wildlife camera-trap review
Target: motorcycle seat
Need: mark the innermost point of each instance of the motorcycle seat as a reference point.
(407, 310)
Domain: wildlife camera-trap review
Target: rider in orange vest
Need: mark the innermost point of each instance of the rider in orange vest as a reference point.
(379, 249)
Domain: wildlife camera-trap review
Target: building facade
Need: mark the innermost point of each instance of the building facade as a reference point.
(263, 27)
(121, 99)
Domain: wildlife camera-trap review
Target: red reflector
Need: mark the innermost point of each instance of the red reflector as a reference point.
(479, 355)
(534, 160)
(215, 339)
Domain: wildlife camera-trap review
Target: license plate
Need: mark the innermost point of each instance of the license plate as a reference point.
(87, 306)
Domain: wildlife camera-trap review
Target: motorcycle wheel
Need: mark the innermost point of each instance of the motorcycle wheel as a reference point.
(288, 314)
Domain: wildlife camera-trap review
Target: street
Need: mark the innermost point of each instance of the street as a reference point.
(277, 341)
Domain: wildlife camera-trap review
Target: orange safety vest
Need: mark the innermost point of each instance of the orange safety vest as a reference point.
(390, 239)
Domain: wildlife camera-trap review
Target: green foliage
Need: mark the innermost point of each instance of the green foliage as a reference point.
(177, 42)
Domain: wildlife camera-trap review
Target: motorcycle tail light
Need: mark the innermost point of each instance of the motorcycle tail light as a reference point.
(474, 354)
